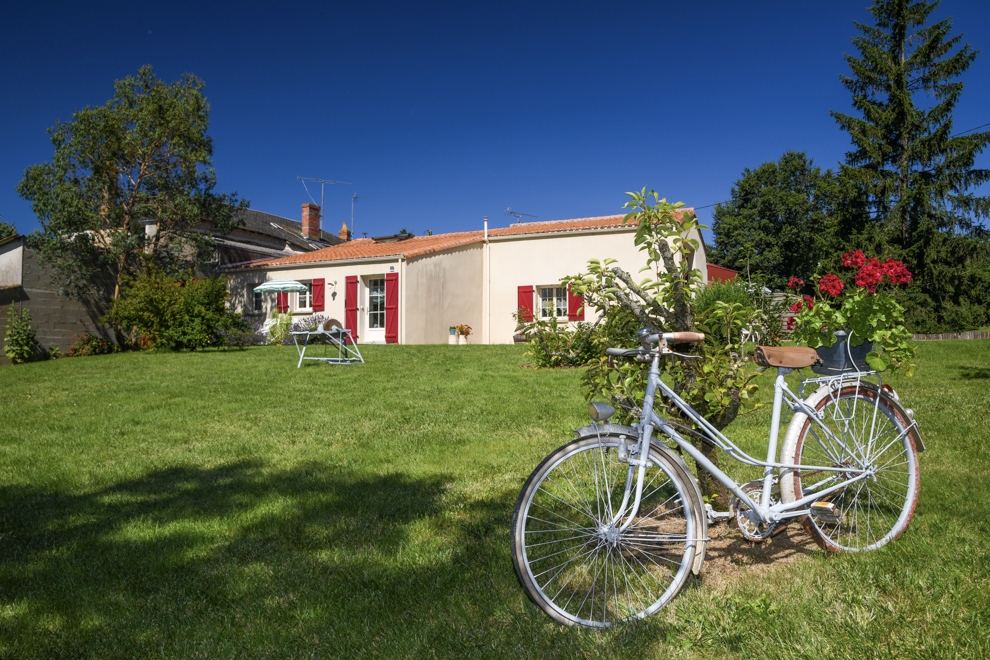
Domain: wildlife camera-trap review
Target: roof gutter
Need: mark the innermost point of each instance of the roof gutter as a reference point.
(321, 264)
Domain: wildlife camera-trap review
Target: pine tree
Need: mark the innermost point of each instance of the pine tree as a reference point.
(916, 174)
(914, 170)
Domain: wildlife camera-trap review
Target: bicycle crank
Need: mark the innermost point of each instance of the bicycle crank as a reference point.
(749, 524)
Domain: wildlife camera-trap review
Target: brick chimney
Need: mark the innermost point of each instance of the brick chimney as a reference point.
(311, 220)
(345, 233)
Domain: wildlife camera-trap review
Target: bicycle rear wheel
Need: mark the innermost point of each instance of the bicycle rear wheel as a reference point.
(577, 564)
(867, 432)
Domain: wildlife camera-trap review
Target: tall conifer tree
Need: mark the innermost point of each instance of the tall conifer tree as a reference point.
(917, 175)
(913, 169)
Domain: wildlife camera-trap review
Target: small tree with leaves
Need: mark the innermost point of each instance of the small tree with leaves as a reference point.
(718, 383)
(142, 160)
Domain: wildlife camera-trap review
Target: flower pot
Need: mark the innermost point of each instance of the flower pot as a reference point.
(452, 339)
(842, 358)
(462, 339)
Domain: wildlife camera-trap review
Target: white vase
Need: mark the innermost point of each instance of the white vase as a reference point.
(462, 339)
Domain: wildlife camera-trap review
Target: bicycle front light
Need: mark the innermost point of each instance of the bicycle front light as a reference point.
(600, 412)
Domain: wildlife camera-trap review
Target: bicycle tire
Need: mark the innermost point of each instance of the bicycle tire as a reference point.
(579, 569)
(871, 432)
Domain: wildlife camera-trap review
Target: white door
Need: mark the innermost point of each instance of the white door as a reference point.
(375, 310)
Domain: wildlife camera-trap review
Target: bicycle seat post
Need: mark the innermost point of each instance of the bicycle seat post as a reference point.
(778, 398)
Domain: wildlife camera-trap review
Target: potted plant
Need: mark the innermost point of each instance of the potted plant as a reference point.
(463, 331)
(855, 324)
(452, 339)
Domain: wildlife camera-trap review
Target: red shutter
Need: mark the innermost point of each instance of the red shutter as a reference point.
(575, 306)
(282, 302)
(391, 308)
(351, 305)
(318, 288)
(526, 302)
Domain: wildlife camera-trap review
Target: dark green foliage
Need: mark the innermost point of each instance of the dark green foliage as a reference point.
(554, 344)
(915, 176)
(88, 345)
(175, 313)
(729, 292)
(7, 230)
(782, 219)
(722, 309)
(143, 159)
(20, 343)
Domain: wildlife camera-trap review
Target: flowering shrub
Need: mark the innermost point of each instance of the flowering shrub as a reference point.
(91, 345)
(463, 329)
(866, 309)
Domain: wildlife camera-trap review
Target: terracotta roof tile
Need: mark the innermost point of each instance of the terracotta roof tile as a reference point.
(366, 248)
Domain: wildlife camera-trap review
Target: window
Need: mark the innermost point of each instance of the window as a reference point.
(258, 303)
(553, 302)
(304, 299)
(376, 303)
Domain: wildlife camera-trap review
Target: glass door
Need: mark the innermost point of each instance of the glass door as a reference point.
(376, 311)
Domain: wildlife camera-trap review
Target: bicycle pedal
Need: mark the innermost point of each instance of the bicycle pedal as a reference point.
(826, 512)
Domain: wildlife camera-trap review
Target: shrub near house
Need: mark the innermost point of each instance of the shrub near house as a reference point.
(174, 313)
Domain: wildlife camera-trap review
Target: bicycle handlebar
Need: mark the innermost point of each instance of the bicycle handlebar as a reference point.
(653, 339)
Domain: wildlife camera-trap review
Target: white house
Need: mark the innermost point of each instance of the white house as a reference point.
(411, 289)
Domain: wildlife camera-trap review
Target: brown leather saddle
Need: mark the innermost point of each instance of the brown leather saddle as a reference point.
(788, 357)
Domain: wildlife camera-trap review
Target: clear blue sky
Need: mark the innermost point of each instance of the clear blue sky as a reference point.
(442, 113)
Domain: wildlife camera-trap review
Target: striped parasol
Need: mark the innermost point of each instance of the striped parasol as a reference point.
(282, 286)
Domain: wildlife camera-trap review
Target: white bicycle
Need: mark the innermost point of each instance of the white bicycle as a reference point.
(610, 527)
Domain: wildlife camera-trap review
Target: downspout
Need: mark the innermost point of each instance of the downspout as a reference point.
(488, 286)
(402, 299)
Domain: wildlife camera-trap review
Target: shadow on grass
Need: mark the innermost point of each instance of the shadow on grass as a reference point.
(974, 373)
(245, 560)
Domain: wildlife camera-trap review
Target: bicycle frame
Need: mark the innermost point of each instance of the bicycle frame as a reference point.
(762, 511)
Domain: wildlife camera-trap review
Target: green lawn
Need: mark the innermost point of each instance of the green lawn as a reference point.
(226, 504)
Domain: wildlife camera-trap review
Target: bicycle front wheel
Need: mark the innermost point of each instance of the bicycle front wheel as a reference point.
(570, 550)
(867, 433)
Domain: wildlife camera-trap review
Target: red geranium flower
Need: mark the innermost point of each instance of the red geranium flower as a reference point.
(856, 258)
(794, 282)
(831, 285)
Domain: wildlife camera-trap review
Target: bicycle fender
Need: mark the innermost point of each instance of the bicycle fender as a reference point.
(610, 428)
(797, 424)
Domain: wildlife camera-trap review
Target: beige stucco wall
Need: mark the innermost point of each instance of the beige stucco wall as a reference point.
(542, 260)
(243, 282)
(443, 289)
(11, 259)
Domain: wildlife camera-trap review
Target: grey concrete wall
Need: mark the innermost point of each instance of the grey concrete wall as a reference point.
(55, 318)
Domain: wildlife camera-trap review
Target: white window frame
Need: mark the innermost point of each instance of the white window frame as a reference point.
(541, 311)
(257, 299)
(380, 312)
(308, 295)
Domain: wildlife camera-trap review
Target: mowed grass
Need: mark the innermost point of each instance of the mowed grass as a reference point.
(226, 505)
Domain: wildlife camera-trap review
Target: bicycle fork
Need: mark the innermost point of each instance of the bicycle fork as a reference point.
(638, 466)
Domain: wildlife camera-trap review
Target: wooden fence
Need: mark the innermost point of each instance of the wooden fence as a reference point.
(953, 335)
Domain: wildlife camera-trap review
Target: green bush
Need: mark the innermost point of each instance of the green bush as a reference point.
(724, 309)
(175, 313)
(553, 344)
(20, 344)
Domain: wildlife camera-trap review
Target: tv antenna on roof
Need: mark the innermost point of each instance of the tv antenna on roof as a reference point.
(322, 183)
(509, 211)
(354, 198)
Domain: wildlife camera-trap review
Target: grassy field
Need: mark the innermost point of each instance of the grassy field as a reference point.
(226, 505)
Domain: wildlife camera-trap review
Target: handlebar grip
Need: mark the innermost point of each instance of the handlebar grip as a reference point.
(684, 336)
(622, 352)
